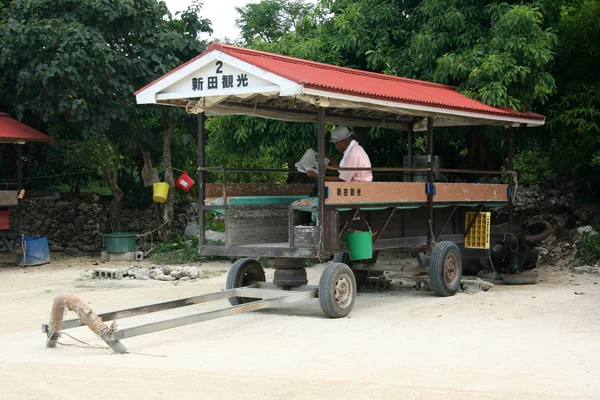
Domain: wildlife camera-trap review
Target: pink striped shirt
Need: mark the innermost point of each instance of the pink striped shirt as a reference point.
(355, 156)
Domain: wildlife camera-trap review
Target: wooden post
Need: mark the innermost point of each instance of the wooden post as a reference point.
(408, 177)
(321, 182)
(430, 181)
(509, 167)
(514, 255)
(201, 179)
(19, 183)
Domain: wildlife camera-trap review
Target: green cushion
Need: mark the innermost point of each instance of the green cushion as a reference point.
(256, 201)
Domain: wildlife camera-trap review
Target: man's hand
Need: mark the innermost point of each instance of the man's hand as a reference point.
(312, 175)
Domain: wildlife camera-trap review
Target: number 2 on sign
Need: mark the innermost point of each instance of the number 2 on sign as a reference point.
(219, 67)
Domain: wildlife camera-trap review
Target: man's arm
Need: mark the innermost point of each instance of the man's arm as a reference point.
(314, 176)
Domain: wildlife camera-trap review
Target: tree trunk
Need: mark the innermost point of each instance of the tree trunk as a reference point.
(169, 206)
(111, 174)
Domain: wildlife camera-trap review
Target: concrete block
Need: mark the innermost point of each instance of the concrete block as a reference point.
(103, 273)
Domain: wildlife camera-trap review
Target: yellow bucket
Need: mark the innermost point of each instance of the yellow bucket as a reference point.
(161, 191)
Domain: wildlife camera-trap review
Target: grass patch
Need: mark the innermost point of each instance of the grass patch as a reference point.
(178, 251)
(588, 248)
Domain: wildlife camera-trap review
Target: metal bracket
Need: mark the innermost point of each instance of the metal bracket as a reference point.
(429, 188)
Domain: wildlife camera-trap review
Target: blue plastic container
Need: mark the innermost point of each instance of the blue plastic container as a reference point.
(35, 250)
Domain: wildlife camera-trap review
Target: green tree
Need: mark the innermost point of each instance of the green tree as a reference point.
(78, 63)
(500, 53)
(574, 113)
(269, 20)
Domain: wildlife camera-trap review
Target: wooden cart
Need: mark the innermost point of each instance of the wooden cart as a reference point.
(281, 222)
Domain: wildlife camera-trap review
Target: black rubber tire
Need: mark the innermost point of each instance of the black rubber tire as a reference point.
(445, 283)
(334, 274)
(343, 258)
(241, 273)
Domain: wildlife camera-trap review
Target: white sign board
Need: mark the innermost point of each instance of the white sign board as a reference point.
(216, 79)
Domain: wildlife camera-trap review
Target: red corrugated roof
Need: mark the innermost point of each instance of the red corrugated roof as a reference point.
(12, 130)
(349, 81)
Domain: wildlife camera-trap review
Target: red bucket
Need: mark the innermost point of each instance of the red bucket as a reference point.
(184, 182)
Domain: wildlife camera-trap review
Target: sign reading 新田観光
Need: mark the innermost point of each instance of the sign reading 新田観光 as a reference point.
(220, 79)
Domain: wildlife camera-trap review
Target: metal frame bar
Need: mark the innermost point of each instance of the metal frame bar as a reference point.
(376, 121)
(347, 224)
(372, 169)
(509, 167)
(421, 204)
(514, 255)
(20, 184)
(410, 152)
(446, 223)
(430, 181)
(201, 179)
(259, 290)
(321, 182)
(261, 250)
(387, 221)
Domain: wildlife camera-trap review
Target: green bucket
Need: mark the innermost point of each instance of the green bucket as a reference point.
(119, 242)
(360, 244)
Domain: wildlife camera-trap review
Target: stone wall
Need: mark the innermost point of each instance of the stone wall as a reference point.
(78, 222)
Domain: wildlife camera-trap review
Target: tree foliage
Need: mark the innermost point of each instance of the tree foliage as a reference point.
(77, 64)
(574, 113)
(269, 20)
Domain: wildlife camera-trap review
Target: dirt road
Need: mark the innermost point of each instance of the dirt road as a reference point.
(513, 342)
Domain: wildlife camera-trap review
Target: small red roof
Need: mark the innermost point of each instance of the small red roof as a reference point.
(12, 131)
(331, 78)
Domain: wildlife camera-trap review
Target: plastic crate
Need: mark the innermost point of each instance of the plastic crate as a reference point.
(4, 219)
(479, 235)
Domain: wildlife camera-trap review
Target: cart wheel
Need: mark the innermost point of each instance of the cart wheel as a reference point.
(241, 273)
(445, 269)
(337, 290)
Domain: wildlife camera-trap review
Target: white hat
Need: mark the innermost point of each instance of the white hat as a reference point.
(340, 133)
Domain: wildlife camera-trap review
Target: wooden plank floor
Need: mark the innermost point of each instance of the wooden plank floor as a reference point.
(279, 244)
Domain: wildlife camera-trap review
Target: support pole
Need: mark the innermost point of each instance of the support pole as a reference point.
(514, 255)
(201, 179)
(19, 183)
(509, 167)
(321, 182)
(430, 181)
(408, 177)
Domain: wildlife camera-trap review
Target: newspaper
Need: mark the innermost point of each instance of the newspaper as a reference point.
(309, 161)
